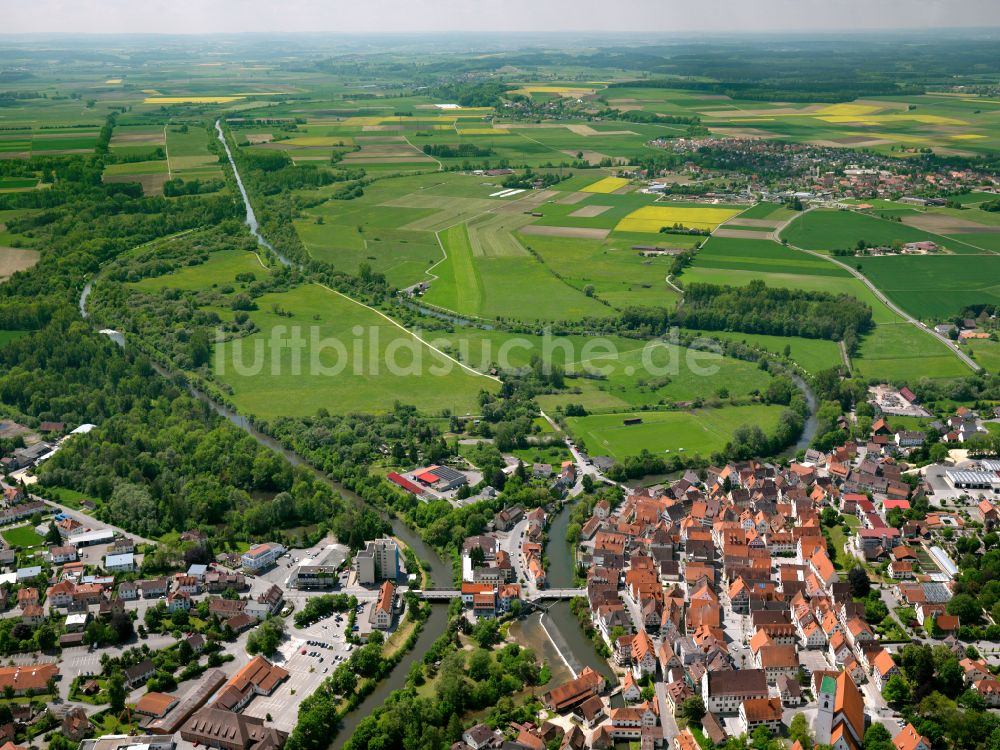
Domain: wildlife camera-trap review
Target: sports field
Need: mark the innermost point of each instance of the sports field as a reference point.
(698, 432)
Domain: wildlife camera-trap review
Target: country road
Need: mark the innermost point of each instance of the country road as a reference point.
(881, 296)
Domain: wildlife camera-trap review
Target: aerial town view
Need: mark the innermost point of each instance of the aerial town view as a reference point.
(528, 376)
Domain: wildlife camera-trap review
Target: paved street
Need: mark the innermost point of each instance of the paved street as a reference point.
(667, 721)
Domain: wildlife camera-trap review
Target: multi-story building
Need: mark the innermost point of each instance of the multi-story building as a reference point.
(261, 556)
(378, 561)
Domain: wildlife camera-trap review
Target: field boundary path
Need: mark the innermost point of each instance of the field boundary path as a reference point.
(883, 298)
(401, 327)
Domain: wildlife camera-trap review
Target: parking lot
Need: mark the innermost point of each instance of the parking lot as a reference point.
(325, 646)
(305, 676)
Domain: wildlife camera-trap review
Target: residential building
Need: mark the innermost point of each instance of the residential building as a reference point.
(378, 561)
(382, 611)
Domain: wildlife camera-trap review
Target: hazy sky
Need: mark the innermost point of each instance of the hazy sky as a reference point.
(206, 16)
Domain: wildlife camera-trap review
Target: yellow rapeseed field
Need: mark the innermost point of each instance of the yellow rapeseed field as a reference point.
(886, 119)
(206, 99)
(112, 81)
(191, 99)
(849, 109)
(528, 90)
(607, 185)
(318, 140)
(650, 218)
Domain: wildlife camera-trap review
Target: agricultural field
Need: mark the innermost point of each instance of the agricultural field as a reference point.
(890, 351)
(442, 216)
(615, 272)
(484, 281)
(827, 230)
(606, 185)
(697, 432)
(14, 259)
(150, 174)
(653, 218)
(935, 287)
(188, 156)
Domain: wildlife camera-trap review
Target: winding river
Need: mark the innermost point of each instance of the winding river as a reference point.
(554, 633)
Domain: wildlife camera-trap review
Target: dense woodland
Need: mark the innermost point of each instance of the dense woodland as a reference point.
(758, 308)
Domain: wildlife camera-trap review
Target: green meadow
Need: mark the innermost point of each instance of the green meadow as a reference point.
(345, 364)
(812, 355)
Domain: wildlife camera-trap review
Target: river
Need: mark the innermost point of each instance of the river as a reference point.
(251, 220)
(555, 634)
(437, 568)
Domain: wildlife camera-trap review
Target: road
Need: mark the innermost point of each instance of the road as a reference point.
(882, 297)
(582, 467)
(667, 721)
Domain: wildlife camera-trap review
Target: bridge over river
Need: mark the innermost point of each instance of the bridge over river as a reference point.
(439, 595)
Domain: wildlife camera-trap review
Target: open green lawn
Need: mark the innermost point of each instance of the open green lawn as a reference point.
(21, 536)
(68, 497)
(221, 268)
(611, 373)
(701, 431)
(7, 336)
(899, 351)
(935, 287)
(986, 353)
(810, 354)
(346, 363)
